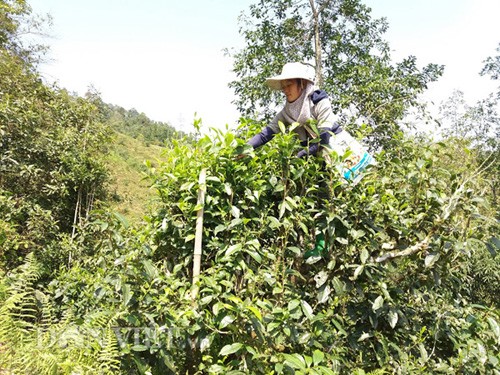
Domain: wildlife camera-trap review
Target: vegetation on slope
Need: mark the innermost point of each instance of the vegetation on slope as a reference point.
(410, 284)
(130, 193)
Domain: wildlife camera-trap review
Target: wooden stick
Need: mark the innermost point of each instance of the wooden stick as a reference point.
(199, 231)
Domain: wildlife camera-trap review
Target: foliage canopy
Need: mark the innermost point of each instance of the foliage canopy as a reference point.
(345, 45)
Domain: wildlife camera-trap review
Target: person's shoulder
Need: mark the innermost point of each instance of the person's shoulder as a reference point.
(318, 95)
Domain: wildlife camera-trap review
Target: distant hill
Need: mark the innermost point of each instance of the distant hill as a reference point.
(139, 126)
(137, 139)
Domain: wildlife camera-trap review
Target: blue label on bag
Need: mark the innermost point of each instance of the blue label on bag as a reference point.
(354, 157)
(352, 172)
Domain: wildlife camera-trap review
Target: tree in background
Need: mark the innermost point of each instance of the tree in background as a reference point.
(477, 125)
(17, 24)
(472, 134)
(137, 125)
(492, 67)
(346, 47)
(51, 143)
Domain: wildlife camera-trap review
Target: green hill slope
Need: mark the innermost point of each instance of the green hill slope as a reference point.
(131, 195)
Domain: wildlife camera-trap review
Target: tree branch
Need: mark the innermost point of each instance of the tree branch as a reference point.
(325, 4)
(422, 245)
(317, 44)
(313, 7)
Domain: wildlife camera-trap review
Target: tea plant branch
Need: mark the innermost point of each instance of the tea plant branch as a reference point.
(453, 202)
(436, 332)
(422, 245)
(447, 211)
(199, 231)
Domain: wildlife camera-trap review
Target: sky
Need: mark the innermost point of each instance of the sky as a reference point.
(459, 34)
(165, 57)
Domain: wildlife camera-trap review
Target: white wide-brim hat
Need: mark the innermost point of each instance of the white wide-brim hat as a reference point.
(291, 71)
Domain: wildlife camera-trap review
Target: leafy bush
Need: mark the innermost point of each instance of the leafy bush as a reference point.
(24, 228)
(51, 169)
(399, 242)
(395, 294)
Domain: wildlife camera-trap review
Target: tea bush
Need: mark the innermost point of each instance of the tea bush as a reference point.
(394, 295)
(390, 297)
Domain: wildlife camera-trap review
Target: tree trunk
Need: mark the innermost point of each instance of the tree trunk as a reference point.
(317, 44)
(90, 201)
(316, 14)
(76, 216)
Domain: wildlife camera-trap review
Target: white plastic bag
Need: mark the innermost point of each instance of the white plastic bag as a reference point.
(351, 157)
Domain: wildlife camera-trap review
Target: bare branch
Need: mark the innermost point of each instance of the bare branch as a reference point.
(313, 7)
(422, 245)
(325, 4)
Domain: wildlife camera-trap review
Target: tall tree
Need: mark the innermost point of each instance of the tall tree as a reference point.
(479, 123)
(492, 67)
(17, 22)
(346, 47)
(51, 146)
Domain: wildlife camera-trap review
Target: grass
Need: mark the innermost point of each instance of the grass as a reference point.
(131, 195)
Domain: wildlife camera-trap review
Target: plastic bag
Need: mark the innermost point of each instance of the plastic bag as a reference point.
(352, 158)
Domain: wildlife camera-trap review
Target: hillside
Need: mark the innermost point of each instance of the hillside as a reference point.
(136, 138)
(130, 193)
(408, 282)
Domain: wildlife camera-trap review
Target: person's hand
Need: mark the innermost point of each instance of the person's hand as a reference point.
(243, 151)
(240, 156)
